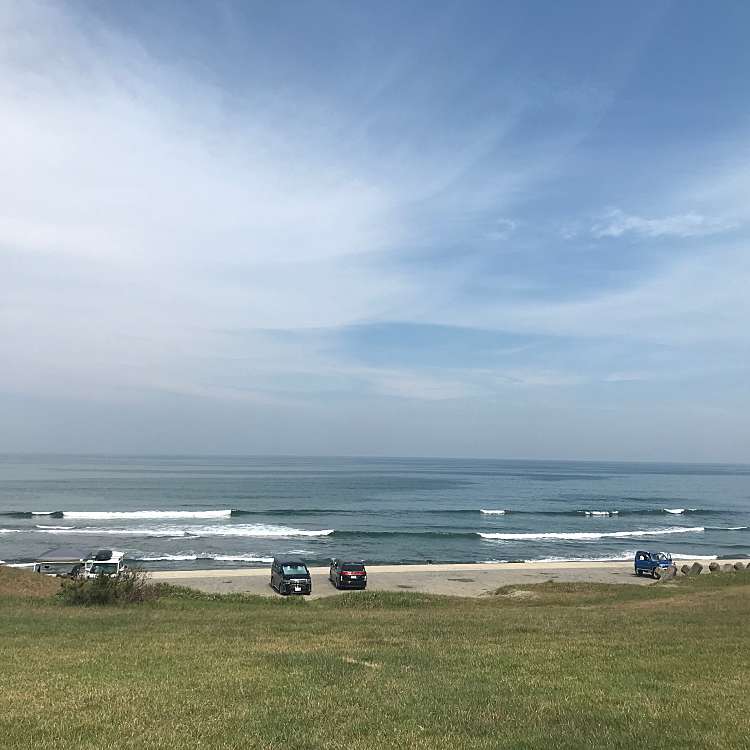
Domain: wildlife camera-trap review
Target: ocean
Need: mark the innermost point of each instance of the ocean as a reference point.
(193, 512)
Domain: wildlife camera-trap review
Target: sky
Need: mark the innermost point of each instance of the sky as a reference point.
(487, 229)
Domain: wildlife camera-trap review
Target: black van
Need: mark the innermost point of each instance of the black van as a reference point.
(290, 577)
(347, 575)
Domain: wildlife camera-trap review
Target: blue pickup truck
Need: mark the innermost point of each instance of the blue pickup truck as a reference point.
(652, 563)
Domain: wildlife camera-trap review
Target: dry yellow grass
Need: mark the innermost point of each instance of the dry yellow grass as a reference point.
(15, 582)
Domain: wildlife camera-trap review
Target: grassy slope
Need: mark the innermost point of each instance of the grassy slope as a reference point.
(571, 667)
(22, 583)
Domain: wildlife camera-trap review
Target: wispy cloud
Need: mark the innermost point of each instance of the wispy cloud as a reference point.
(501, 229)
(157, 194)
(616, 223)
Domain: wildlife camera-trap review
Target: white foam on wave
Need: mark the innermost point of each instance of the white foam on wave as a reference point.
(675, 511)
(260, 530)
(11, 531)
(207, 557)
(231, 530)
(683, 556)
(116, 515)
(618, 557)
(600, 512)
(42, 512)
(92, 531)
(592, 535)
(622, 557)
(491, 512)
(55, 528)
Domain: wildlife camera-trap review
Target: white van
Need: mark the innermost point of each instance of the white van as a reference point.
(104, 562)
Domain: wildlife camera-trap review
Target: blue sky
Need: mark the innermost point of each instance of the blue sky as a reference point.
(485, 229)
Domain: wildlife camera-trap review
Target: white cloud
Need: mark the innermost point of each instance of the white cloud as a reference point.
(143, 214)
(138, 216)
(616, 223)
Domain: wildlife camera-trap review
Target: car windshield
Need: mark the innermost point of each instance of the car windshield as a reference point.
(354, 567)
(105, 568)
(294, 570)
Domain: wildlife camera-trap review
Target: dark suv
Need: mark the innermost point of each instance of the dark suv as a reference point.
(290, 577)
(348, 575)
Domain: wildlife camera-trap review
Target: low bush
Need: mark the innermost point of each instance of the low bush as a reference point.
(130, 587)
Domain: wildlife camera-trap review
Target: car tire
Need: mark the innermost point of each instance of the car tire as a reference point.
(656, 574)
(639, 572)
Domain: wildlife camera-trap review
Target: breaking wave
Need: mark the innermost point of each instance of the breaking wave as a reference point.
(54, 528)
(207, 557)
(417, 534)
(233, 530)
(100, 515)
(227, 513)
(617, 557)
(257, 530)
(592, 535)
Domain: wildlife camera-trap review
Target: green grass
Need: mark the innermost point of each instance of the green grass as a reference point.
(557, 666)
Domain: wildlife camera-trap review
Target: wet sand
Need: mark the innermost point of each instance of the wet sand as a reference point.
(456, 580)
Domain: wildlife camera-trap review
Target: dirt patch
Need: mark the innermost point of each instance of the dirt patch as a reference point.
(14, 582)
(463, 580)
(521, 594)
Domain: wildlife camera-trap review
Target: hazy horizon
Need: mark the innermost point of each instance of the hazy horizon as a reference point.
(501, 230)
(357, 457)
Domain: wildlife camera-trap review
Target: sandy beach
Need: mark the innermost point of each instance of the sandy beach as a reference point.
(456, 580)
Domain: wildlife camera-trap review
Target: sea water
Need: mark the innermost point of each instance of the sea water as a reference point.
(201, 512)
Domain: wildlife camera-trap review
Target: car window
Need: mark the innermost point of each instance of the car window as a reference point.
(291, 570)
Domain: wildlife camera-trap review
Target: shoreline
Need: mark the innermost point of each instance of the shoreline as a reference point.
(452, 579)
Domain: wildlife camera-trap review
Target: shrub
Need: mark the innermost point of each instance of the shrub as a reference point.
(130, 587)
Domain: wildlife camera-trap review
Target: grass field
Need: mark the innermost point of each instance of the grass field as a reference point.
(552, 666)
